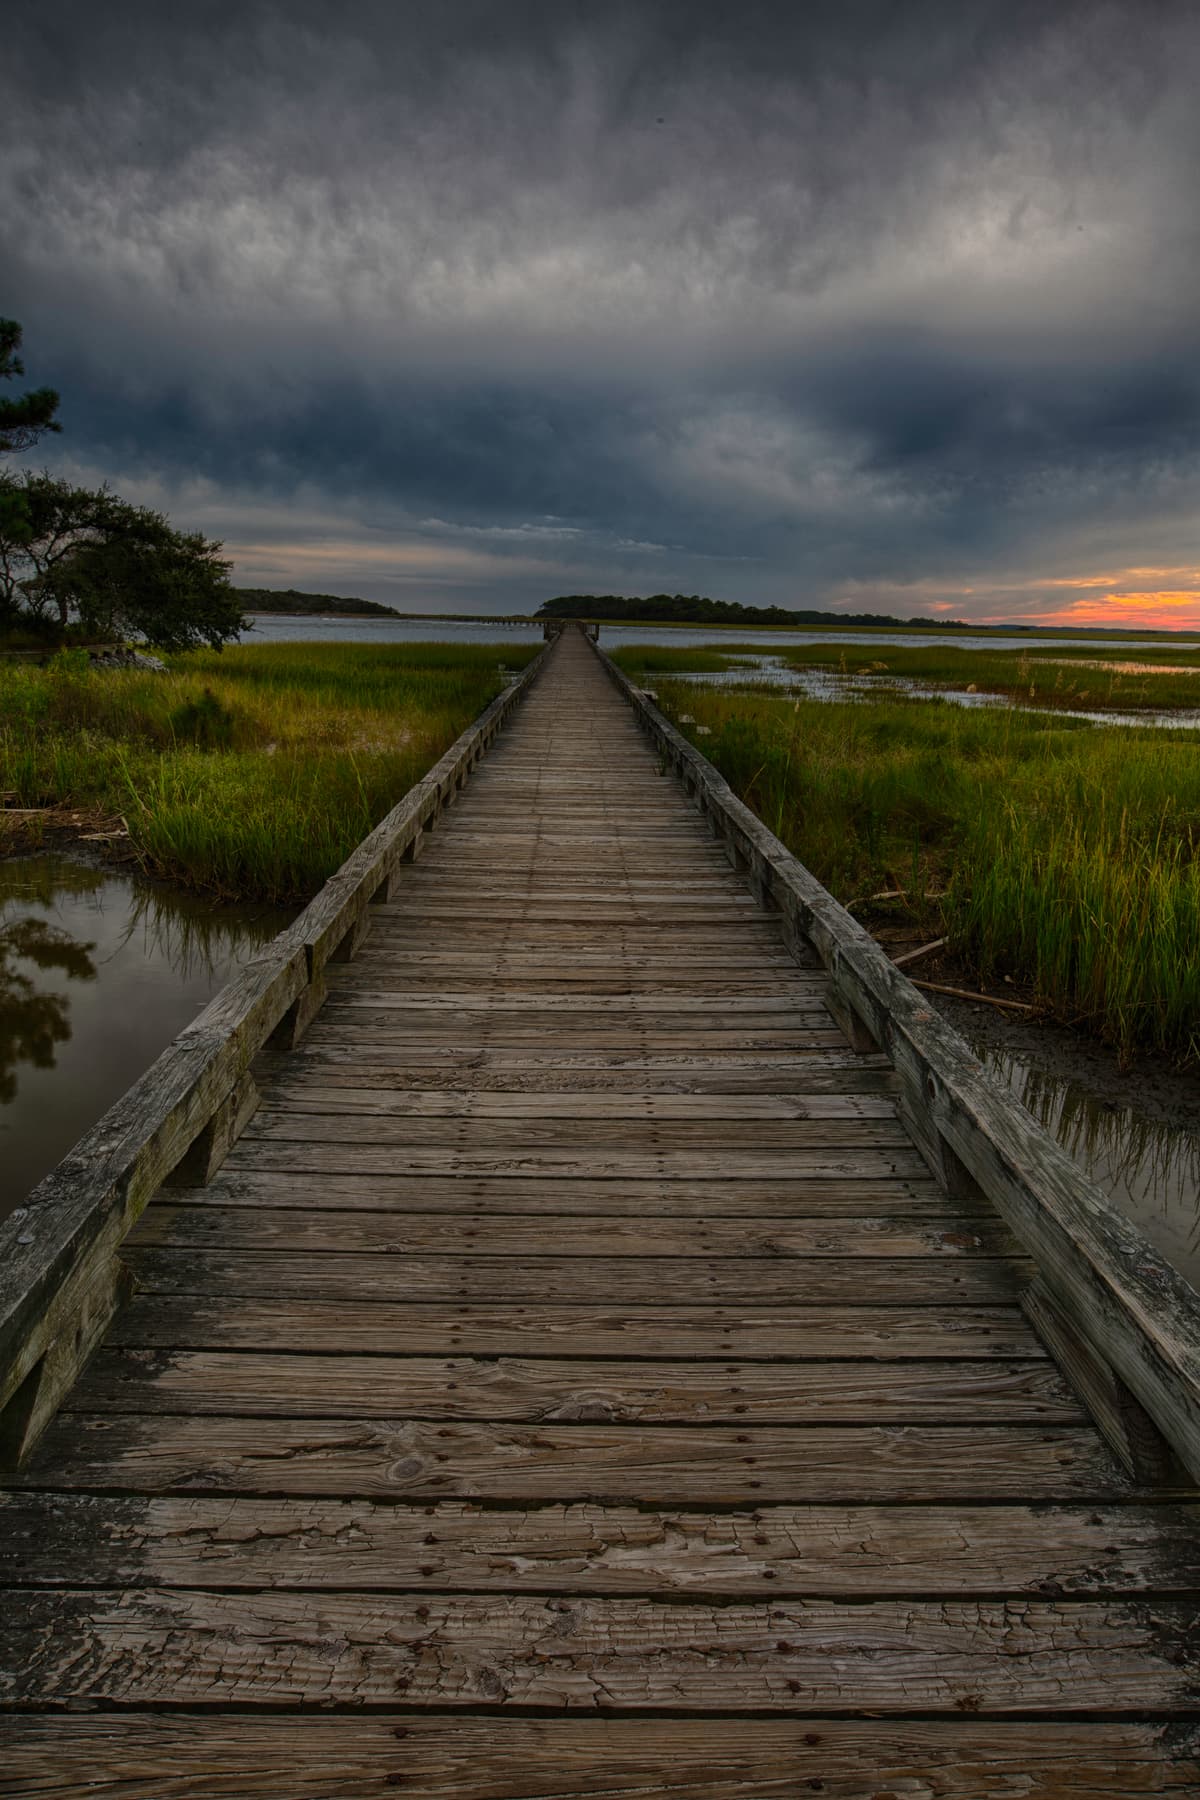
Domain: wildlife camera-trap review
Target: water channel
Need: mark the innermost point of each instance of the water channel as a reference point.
(858, 689)
(99, 970)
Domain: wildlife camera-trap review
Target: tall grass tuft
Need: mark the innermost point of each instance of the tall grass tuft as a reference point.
(251, 774)
(1062, 854)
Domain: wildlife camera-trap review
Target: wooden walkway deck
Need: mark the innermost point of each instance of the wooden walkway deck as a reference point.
(574, 1383)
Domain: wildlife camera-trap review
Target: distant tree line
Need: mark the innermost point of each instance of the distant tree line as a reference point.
(291, 600)
(77, 560)
(696, 609)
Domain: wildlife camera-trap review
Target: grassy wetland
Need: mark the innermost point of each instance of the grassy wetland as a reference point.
(1107, 678)
(249, 774)
(1062, 855)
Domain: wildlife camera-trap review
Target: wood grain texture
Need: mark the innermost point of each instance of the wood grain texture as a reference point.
(102, 1540)
(279, 1648)
(637, 1280)
(847, 1188)
(188, 1756)
(544, 1388)
(431, 1328)
(337, 1232)
(478, 1157)
(718, 1466)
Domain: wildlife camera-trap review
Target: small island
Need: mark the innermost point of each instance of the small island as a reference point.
(698, 609)
(292, 601)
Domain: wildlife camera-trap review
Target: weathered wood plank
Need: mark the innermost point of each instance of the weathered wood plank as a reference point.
(703, 1009)
(1123, 1424)
(696, 1466)
(316, 1095)
(85, 1540)
(575, 1137)
(161, 1756)
(366, 1035)
(462, 1069)
(336, 1232)
(352, 1327)
(470, 1650)
(349, 1158)
(736, 1281)
(531, 1389)
(845, 1189)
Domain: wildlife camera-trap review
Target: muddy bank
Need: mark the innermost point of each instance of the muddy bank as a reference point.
(1166, 1095)
(1006, 1018)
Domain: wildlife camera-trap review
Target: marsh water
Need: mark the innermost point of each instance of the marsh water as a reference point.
(99, 970)
(765, 670)
(1149, 1167)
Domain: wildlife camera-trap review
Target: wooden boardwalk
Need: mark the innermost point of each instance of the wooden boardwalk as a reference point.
(574, 1383)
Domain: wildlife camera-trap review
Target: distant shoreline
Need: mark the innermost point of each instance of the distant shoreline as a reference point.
(1095, 633)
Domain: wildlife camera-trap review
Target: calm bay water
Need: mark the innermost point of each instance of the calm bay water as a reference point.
(98, 972)
(276, 628)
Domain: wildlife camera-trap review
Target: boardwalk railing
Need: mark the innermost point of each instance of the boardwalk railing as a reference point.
(1122, 1323)
(61, 1276)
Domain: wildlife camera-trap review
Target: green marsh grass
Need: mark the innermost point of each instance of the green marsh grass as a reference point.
(641, 660)
(251, 774)
(1062, 854)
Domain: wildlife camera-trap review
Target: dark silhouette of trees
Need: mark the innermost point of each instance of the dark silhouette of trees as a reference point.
(33, 1022)
(23, 420)
(696, 609)
(76, 555)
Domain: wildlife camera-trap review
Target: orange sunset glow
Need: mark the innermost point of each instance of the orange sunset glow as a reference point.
(1177, 610)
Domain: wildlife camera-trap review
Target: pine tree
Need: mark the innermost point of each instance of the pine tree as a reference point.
(22, 421)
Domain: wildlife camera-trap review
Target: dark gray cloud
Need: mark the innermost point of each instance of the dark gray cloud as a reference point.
(800, 303)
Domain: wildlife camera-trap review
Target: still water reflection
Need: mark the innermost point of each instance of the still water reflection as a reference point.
(98, 972)
(1149, 1169)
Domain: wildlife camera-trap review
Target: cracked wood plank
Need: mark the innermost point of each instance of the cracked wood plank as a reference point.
(200, 1648)
(196, 1541)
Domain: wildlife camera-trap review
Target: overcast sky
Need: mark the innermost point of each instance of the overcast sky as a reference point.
(861, 305)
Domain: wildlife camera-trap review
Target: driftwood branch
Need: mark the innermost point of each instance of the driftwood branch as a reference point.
(912, 956)
(956, 993)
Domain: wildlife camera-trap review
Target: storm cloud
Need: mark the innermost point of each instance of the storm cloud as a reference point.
(823, 305)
